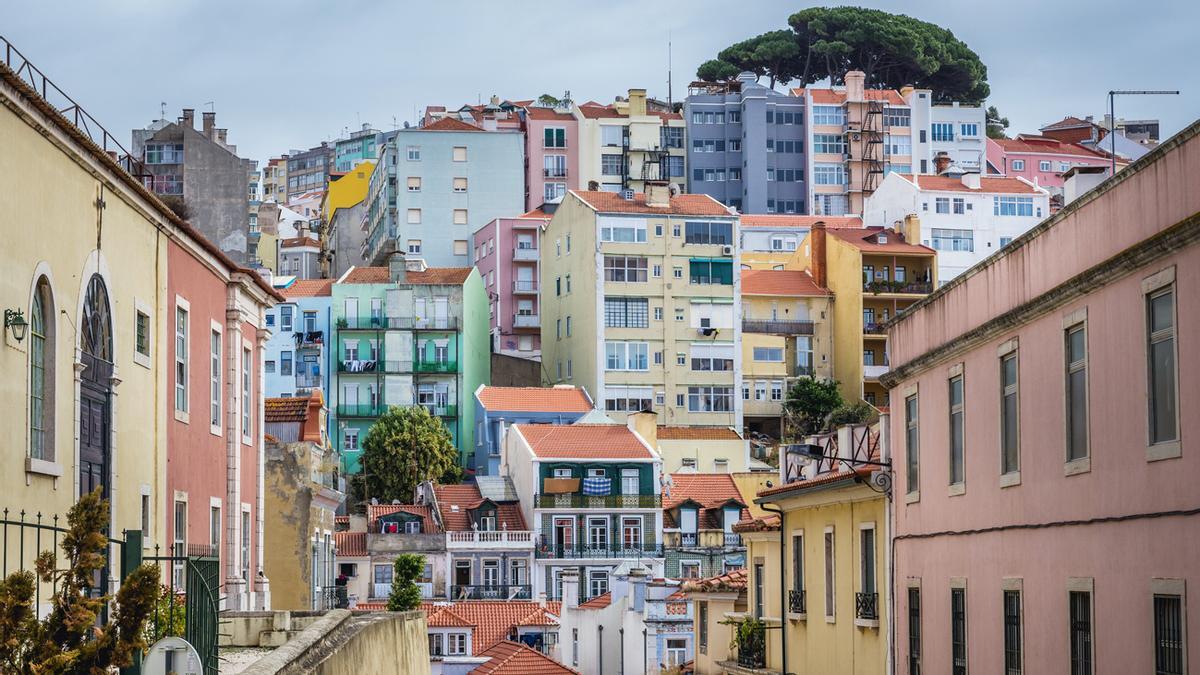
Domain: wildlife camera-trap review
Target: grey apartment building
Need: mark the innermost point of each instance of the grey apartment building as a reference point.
(746, 145)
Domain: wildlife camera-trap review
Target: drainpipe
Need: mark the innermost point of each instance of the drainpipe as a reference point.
(600, 648)
(782, 588)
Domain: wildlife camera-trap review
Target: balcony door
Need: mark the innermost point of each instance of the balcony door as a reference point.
(631, 533)
(564, 535)
(95, 391)
(597, 533)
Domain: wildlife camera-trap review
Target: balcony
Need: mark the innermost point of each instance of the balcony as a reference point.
(435, 366)
(732, 540)
(435, 323)
(360, 410)
(689, 539)
(777, 327)
(312, 339)
(804, 370)
(866, 606)
(525, 254)
(382, 591)
(523, 286)
(492, 592)
(556, 172)
(308, 381)
(490, 539)
(669, 611)
(597, 551)
(445, 410)
(796, 602)
(358, 366)
(752, 647)
(898, 287)
(874, 329)
(331, 597)
(526, 321)
(708, 539)
(874, 372)
(580, 501)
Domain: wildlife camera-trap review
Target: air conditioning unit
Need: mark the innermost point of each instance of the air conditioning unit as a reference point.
(726, 250)
(707, 331)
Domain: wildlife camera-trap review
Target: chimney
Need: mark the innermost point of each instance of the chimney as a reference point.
(489, 122)
(941, 162)
(189, 118)
(570, 589)
(210, 123)
(397, 268)
(817, 257)
(856, 84)
(912, 229)
(593, 185)
(637, 102)
(971, 179)
(637, 589)
(906, 91)
(644, 424)
(658, 194)
(221, 135)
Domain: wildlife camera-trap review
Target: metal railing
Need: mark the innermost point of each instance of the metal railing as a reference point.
(525, 254)
(796, 602)
(308, 381)
(313, 339)
(360, 410)
(866, 606)
(598, 550)
(491, 592)
(581, 501)
(882, 286)
(331, 597)
(443, 410)
(435, 366)
(777, 326)
(689, 539)
(733, 539)
(874, 329)
(525, 286)
(526, 321)
(752, 648)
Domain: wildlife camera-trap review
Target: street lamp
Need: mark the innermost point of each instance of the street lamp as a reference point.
(14, 320)
(1112, 113)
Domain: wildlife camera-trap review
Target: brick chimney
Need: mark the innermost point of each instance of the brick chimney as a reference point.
(637, 102)
(912, 229)
(658, 194)
(817, 257)
(644, 424)
(570, 589)
(941, 162)
(397, 268)
(856, 84)
(209, 123)
(221, 136)
(189, 118)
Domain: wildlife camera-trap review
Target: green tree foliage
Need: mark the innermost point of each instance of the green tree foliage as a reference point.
(850, 413)
(68, 639)
(809, 403)
(406, 595)
(996, 125)
(405, 447)
(547, 101)
(168, 616)
(893, 50)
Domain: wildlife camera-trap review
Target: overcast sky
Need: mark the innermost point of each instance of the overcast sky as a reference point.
(291, 74)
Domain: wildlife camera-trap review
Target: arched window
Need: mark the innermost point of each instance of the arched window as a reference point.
(41, 379)
(97, 327)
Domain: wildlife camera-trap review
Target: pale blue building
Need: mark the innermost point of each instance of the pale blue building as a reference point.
(498, 408)
(297, 358)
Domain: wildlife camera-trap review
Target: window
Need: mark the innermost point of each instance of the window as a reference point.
(942, 131)
(414, 153)
(828, 114)
(951, 240)
(179, 544)
(830, 144)
(1010, 441)
(1168, 635)
(1044, 165)
(552, 191)
(597, 582)
(710, 399)
(959, 206)
(414, 216)
(459, 153)
(1005, 241)
(456, 644)
(624, 268)
(214, 381)
(611, 135)
(658, 313)
(460, 216)
(829, 174)
(969, 130)
(868, 609)
(164, 153)
(759, 590)
(829, 574)
(214, 528)
(41, 365)
(897, 117)
(554, 137)
(914, 631)
(269, 366)
(941, 205)
(285, 359)
(568, 326)
(611, 165)
(627, 356)
(1160, 317)
(672, 137)
(703, 626)
(956, 430)
(626, 312)
(677, 272)
(831, 205)
(709, 233)
(1081, 632)
(675, 166)
(414, 183)
(624, 234)
(574, 644)
(460, 185)
(1013, 661)
(247, 374)
(958, 631)
(898, 145)
(627, 399)
(773, 354)
(460, 247)
(181, 359)
(1012, 206)
(1018, 165)
(350, 440)
(142, 344)
(912, 447)
(796, 605)
(711, 271)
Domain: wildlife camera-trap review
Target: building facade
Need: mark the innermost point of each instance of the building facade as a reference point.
(342, 214)
(1043, 464)
(507, 254)
(746, 146)
(629, 142)
(1040, 160)
(552, 154)
(308, 170)
(769, 242)
(359, 146)
(498, 408)
(298, 358)
(640, 300)
(699, 512)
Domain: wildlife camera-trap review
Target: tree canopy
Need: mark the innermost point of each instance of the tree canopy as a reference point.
(403, 448)
(996, 125)
(893, 50)
(406, 595)
(809, 403)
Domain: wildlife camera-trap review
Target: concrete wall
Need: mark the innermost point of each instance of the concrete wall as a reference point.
(510, 371)
(297, 518)
(340, 643)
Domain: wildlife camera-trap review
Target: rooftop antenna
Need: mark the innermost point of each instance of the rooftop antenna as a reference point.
(1112, 114)
(162, 114)
(669, 92)
(210, 106)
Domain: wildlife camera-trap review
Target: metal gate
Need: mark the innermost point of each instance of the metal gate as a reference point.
(193, 588)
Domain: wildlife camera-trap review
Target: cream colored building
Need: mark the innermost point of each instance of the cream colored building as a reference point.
(641, 303)
(627, 143)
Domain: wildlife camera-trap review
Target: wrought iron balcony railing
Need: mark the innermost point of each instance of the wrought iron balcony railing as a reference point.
(779, 327)
(491, 592)
(866, 606)
(796, 602)
(598, 550)
(581, 501)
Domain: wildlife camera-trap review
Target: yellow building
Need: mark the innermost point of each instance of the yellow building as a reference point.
(787, 333)
(830, 597)
(85, 269)
(770, 241)
(640, 301)
(348, 190)
(874, 273)
(629, 142)
(342, 209)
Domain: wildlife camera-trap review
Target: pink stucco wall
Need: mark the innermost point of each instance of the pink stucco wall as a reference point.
(1003, 161)
(494, 246)
(536, 122)
(1122, 557)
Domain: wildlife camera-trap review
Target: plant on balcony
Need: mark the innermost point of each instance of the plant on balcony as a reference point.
(809, 403)
(750, 642)
(404, 447)
(406, 595)
(342, 323)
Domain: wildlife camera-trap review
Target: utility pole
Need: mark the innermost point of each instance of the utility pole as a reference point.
(1112, 114)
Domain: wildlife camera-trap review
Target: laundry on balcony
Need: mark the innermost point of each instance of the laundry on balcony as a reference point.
(597, 486)
(560, 486)
(359, 365)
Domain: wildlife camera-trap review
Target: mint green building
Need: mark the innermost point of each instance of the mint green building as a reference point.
(407, 335)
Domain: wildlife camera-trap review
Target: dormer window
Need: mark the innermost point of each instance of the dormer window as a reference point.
(412, 527)
(688, 521)
(882, 239)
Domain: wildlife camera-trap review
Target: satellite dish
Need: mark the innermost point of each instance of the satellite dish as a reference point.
(172, 656)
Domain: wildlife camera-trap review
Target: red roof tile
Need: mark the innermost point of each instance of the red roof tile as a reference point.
(308, 288)
(732, 581)
(377, 511)
(536, 213)
(681, 205)
(300, 241)
(838, 96)
(1068, 122)
(430, 276)
(535, 399)
(445, 617)
(539, 113)
(583, 441)
(289, 409)
(710, 490)
(780, 282)
(450, 124)
(598, 602)
(764, 524)
(495, 620)
(595, 111)
(866, 240)
(511, 658)
(987, 184)
(778, 220)
(466, 497)
(1042, 145)
(671, 433)
(350, 544)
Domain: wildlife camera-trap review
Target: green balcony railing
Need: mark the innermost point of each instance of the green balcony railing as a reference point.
(420, 366)
(581, 501)
(449, 410)
(360, 410)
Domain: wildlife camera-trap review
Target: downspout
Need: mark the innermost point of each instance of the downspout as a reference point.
(600, 649)
(782, 588)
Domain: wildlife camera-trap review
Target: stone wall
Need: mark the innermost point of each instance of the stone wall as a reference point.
(341, 643)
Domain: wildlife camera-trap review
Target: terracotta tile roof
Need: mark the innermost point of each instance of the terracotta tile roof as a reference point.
(511, 658)
(466, 497)
(732, 581)
(838, 96)
(350, 544)
(377, 511)
(987, 184)
(371, 607)
(598, 602)
(671, 433)
(450, 124)
(583, 441)
(430, 276)
(681, 205)
(290, 409)
(593, 111)
(495, 620)
(1068, 122)
(1042, 145)
(300, 241)
(539, 113)
(536, 213)
(779, 220)
(865, 240)
(445, 617)
(535, 399)
(780, 282)
(308, 288)
(765, 524)
(710, 490)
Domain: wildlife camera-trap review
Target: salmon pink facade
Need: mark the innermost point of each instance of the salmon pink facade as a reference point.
(551, 154)
(507, 252)
(214, 438)
(1046, 446)
(1039, 159)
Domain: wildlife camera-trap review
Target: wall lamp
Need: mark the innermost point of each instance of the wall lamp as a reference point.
(14, 320)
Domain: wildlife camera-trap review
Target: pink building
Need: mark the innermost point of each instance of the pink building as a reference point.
(214, 433)
(1039, 159)
(1045, 442)
(551, 154)
(506, 252)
